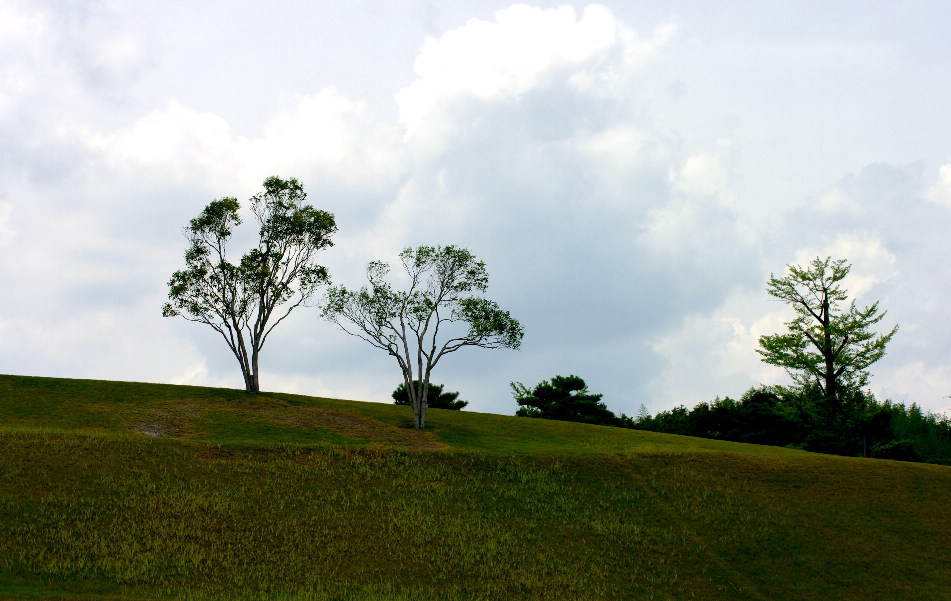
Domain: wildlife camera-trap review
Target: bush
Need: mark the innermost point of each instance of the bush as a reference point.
(901, 450)
(435, 397)
(564, 398)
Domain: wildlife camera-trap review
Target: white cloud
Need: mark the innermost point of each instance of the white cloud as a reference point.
(21, 48)
(918, 382)
(176, 141)
(324, 139)
(69, 59)
(940, 192)
(331, 136)
(872, 263)
(526, 48)
(703, 175)
(7, 233)
(503, 59)
(620, 158)
(718, 351)
(840, 201)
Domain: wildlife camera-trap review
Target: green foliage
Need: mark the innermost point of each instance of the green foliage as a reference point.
(776, 416)
(241, 300)
(105, 512)
(913, 435)
(435, 397)
(827, 351)
(758, 417)
(826, 346)
(440, 312)
(563, 398)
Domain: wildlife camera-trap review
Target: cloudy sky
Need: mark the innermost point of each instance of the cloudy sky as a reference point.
(630, 172)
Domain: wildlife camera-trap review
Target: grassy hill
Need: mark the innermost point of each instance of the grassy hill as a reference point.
(114, 490)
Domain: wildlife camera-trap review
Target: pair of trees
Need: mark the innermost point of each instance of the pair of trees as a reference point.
(441, 312)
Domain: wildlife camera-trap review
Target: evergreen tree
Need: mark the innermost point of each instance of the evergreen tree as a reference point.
(564, 398)
(435, 397)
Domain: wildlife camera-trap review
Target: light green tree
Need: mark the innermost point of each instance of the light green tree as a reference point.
(828, 346)
(245, 301)
(441, 311)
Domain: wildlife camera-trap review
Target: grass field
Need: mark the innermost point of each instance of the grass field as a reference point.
(114, 490)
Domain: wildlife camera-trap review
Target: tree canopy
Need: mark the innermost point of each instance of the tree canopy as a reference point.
(564, 398)
(828, 347)
(441, 311)
(782, 417)
(244, 301)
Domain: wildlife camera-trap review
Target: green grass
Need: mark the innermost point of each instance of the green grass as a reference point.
(114, 490)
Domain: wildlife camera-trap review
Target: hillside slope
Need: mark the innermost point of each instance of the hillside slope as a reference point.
(115, 490)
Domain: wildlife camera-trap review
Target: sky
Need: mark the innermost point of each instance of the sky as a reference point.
(631, 173)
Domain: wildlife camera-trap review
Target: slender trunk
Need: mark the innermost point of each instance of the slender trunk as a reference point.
(829, 357)
(249, 365)
(249, 378)
(418, 397)
(832, 393)
(254, 385)
(423, 402)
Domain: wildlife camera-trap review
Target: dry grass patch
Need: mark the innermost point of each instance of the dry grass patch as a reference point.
(351, 426)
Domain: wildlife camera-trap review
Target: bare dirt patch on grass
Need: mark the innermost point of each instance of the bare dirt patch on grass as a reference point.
(182, 418)
(352, 426)
(171, 419)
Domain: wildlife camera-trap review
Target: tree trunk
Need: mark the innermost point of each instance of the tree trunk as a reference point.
(419, 416)
(417, 398)
(249, 380)
(828, 354)
(249, 365)
(419, 407)
(254, 385)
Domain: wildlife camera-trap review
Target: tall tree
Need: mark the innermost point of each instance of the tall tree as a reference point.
(828, 347)
(440, 312)
(245, 301)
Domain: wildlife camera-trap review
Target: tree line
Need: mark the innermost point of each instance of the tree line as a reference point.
(827, 350)
(769, 416)
(766, 415)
